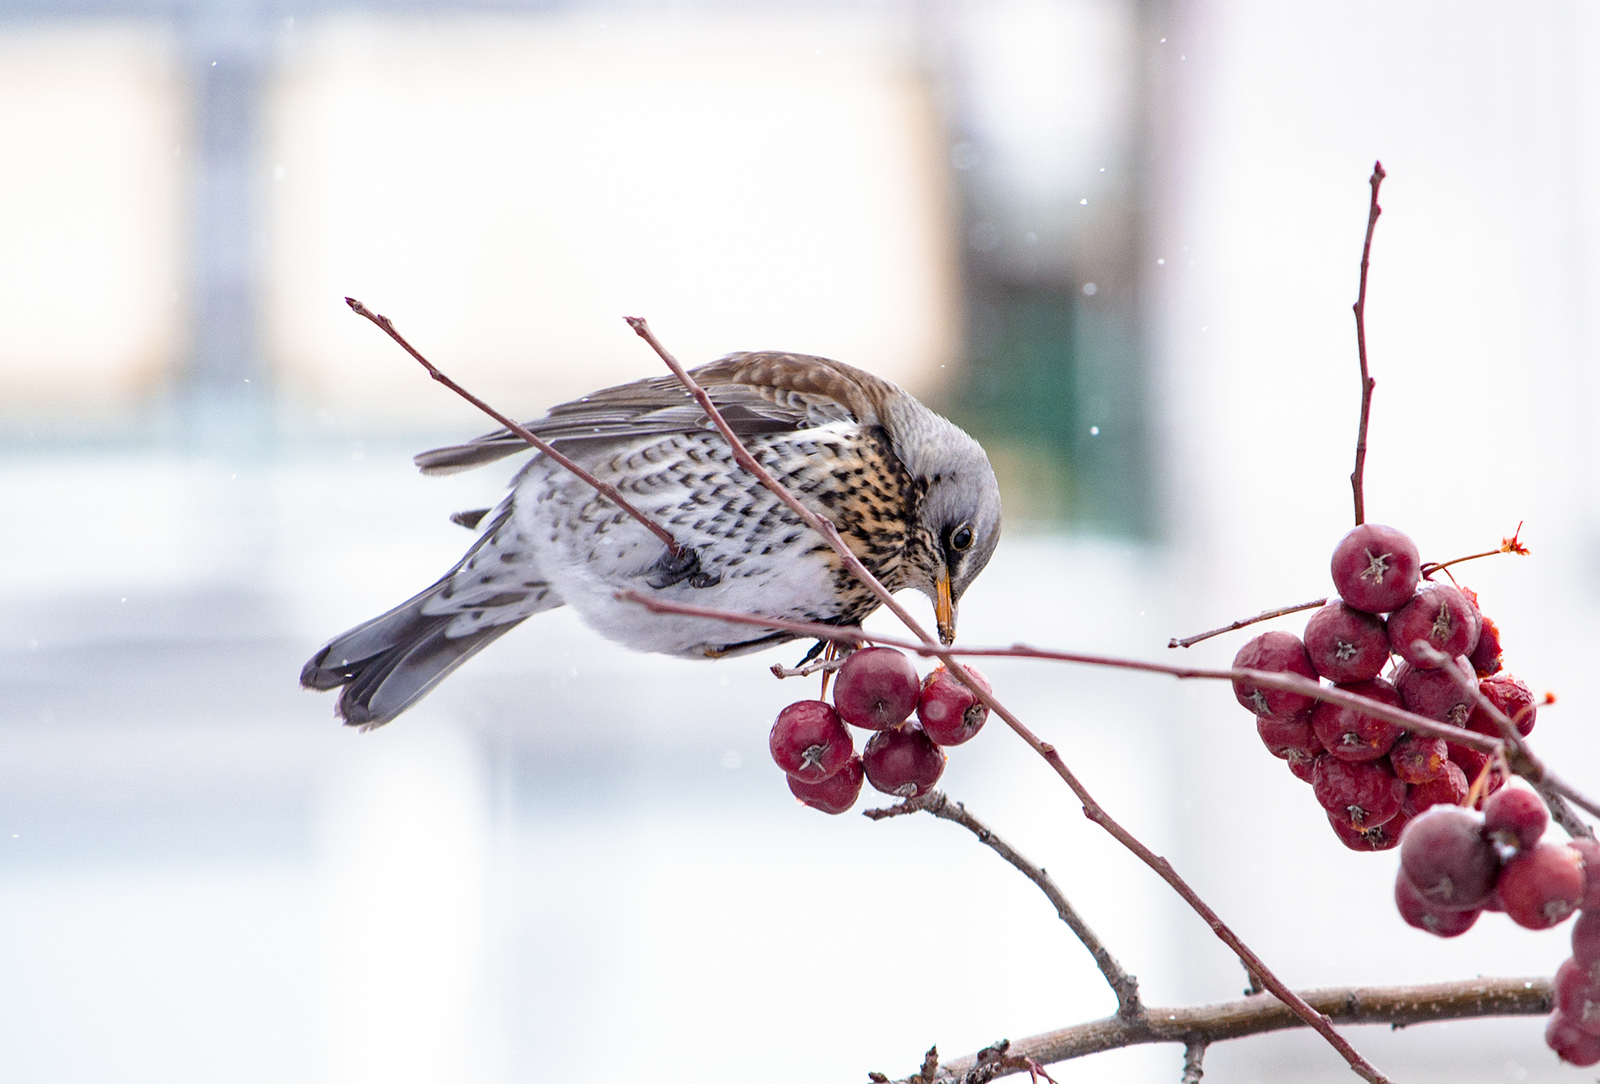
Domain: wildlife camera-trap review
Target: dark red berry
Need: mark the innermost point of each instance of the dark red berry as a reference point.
(1445, 694)
(1284, 739)
(1364, 793)
(1375, 568)
(1541, 886)
(1515, 817)
(1586, 940)
(1438, 615)
(903, 762)
(1451, 788)
(809, 742)
(876, 688)
(1417, 759)
(1304, 766)
(1485, 658)
(1381, 837)
(1346, 644)
(1350, 735)
(1589, 851)
(1571, 1044)
(1515, 701)
(835, 794)
(1578, 997)
(1423, 915)
(1280, 652)
(950, 712)
(1445, 857)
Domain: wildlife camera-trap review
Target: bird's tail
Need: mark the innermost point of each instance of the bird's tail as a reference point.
(392, 661)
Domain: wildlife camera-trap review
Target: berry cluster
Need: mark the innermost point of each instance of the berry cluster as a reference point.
(1369, 775)
(876, 689)
(1455, 864)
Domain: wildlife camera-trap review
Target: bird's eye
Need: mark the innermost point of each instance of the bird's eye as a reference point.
(961, 537)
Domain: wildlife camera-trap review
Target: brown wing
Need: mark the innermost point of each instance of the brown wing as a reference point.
(756, 392)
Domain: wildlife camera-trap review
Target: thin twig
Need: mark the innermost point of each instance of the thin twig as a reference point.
(1357, 476)
(1091, 808)
(780, 671)
(1418, 724)
(1507, 545)
(1123, 985)
(522, 431)
(1265, 615)
(1396, 1006)
(1193, 1054)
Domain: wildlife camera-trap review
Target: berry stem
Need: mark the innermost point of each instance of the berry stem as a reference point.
(522, 431)
(1124, 985)
(1357, 476)
(1265, 615)
(1507, 545)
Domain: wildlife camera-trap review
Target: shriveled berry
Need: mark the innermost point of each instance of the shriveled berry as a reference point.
(1350, 735)
(1285, 738)
(1451, 788)
(1438, 615)
(809, 741)
(950, 712)
(1418, 759)
(1586, 941)
(1346, 644)
(1571, 1044)
(1445, 857)
(1515, 817)
(903, 762)
(1486, 657)
(1365, 793)
(1423, 915)
(1280, 652)
(1438, 693)
(1302, 765)
(876, 688)
(1375, 568)
(1589, 851)
(1380, 837)
(1577, 996)
(1541, 886)
(1515, 701)
(835, 794)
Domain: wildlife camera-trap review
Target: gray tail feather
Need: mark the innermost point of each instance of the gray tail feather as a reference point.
(389, 663)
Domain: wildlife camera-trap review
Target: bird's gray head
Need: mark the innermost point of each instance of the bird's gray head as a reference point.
(958, 519)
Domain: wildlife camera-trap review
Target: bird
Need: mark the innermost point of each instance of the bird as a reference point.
(912, 495)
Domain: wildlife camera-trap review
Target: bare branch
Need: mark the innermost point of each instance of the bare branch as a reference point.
(1193, 1055)
(1265, 615)
(1124, 985)
(1357, 476)
(609, 491)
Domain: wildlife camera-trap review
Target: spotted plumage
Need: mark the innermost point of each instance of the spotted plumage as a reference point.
(912, 495)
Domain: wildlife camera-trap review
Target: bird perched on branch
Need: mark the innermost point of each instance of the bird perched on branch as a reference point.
(912, 495)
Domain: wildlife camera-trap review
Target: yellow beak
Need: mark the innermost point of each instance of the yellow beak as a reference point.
(944, 611)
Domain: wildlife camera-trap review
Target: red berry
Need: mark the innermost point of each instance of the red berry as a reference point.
(1571, 1044)
(1304, 766)
(1541, 886)
(1350, 735)
(809, 742)
(1375, 568)
(1364, 793)
(1380, 837)
(1438, 615)
(1515, 701)
(1346, 644)
(950, 712)
(1449, 789)
(835, 794)
(903, 762)
(1423, 915)
(1284, 739)
(876, 688)
(1586, 940)
(1417, 759)
(1438, 694)
(1589, 851)
(1280, 652)
(1485, 658)
(1577, 997)
(1515, 817)
(1445, 857)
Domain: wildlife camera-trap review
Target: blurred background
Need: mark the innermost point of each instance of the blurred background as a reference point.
(1117, 241)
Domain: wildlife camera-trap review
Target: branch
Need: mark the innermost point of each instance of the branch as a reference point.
(522, 431)
(1357, 476)
(1091, 808)
(1124, 985)
(1193, 1055)
(1397, 1006)
(1265, 615)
